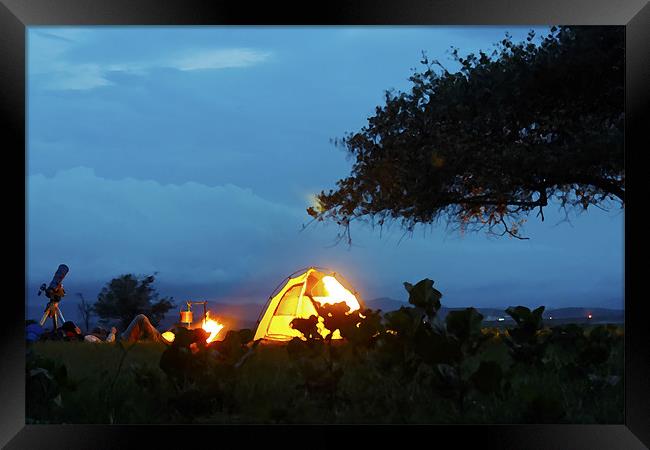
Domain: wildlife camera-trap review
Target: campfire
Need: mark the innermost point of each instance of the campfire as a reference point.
(210, 325)
(213, 327)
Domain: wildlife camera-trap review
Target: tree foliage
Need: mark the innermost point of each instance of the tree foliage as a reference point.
(126, 296)
(504, 136)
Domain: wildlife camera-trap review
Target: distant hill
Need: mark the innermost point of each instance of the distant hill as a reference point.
(385, 304)
(563, 313)
(578, 314)
(245, 315)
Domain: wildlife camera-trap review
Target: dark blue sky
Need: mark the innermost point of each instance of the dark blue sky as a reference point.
(194, 152)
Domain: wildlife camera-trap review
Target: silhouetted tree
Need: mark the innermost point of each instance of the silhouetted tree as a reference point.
(126, 296)
(504, 136)
(86, 311)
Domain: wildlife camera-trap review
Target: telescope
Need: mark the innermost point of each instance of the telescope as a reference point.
(55, 292)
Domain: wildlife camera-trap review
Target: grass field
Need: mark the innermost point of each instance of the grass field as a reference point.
(390, 381)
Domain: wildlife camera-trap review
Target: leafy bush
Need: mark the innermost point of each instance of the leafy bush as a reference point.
(526, 341)
(404, 366)
(46, 381)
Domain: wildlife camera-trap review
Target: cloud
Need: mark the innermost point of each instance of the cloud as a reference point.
(232, 243)
(78, 77)
(189, 233)
(219, 59)
(50, 68)
(54, 36)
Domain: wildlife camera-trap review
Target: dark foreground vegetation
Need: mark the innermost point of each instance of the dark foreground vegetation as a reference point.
(405, 366)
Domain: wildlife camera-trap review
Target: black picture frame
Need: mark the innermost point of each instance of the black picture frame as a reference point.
(16, 15)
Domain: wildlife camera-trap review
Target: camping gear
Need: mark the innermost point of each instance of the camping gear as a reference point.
(33, 332)
(55, 293)
(187, 317)
(211, 326)
(70, 332)
(295, 299)
(52, 290)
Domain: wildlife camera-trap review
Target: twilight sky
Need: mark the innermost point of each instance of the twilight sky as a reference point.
(194, 151)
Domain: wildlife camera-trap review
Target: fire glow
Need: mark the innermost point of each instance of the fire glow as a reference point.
(213, 327)
(210, 325)
(337, 293)
(168, 336)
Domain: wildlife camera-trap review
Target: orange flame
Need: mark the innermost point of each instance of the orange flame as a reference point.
(213, 327)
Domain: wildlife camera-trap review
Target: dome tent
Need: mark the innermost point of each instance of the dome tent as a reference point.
(295, 297)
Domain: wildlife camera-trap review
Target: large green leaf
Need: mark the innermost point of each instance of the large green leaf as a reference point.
(526, 318)
(464, 324)
(335, 316)
(425, 296)
(361, 327)
(308, 327)
(435, 348)
(404, 321)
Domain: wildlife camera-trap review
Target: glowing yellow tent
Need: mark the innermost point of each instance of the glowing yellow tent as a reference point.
(295, 298)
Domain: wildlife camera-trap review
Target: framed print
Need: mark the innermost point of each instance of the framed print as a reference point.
(356, 218)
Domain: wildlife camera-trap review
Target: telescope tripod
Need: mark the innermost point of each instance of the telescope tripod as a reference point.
(52, 310)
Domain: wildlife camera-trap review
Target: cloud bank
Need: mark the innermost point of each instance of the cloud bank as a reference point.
(189, 233)
(55, 71)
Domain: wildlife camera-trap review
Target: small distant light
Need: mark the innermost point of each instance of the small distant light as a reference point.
(500, 319)
(589, 316)
(550, 317)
